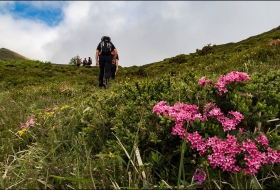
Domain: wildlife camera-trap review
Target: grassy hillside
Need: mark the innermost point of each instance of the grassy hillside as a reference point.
(250, 55)
(6, 54)
(59, 130)
(247, 55)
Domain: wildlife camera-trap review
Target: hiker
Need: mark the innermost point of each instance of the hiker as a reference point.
(104, 59)
(85, 62)
(115, 66)
(275, 42)
(89, 61)
(78, 62)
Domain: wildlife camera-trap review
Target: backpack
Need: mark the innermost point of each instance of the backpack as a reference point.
(106, 46)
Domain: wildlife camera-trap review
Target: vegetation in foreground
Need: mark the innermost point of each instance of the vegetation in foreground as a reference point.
(155, 127)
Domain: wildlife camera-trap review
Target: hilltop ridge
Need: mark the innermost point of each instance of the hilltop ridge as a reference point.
(6, 54)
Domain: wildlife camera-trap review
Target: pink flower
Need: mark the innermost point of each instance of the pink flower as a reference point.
(30, 122)
(181, 113)
(178, 130)
(207, 108)
(197, 142)
(22, 126)
(238, 116)
(273, 156)
(230, 124)
(241, 131)
(253, 158)
(262, 139)
(233, 76)
(199, 175)
(203, 82)
(48, 109)
(224, 153)
(215, 112)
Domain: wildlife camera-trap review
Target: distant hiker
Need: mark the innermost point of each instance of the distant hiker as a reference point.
(85, 62)
(104, 59)
(115, 66)
(78, 62)
(275, 42)
(89, 61)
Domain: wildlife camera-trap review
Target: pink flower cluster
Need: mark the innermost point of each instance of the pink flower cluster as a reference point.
(233, 76)
(203, 82)
(262, 140)
(223, 152)
(28, 123)
(227, 123)
(182, 112)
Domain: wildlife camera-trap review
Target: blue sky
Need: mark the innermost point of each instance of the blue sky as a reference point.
(143, 31)
(52, 16)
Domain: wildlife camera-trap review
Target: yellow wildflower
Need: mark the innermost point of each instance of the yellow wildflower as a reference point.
(64, 107)
(21, 132)
(111, 155)
(50, 113)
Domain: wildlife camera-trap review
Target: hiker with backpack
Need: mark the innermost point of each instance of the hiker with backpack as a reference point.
(104, 59)
(85, 62)
(89, 61)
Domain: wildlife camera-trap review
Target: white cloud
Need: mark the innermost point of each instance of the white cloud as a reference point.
(143, 32)
(25, 37)
(76, 13)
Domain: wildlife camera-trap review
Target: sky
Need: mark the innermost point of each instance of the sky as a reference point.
(143, 32)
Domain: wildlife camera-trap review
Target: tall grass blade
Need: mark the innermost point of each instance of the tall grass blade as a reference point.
(76, 179)
(119, 142)
(255, 183)
(52, 151)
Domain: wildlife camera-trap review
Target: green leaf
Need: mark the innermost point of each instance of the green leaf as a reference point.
(121, 160)
(188, 185)
(185, 183)
(1, 182)
(101, 155)
(71, 178)
(50, 152)
(254, 183)
(221, 133)
(146, 185)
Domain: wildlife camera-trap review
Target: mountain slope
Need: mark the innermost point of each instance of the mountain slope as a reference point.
(6, 54)
(249, 55)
